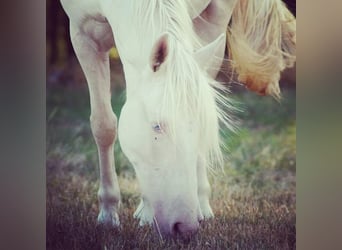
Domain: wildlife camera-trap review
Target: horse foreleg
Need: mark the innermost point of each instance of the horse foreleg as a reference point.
(196, 7)
(144, 213)
(93, 56)
(204, 190)
(213, 19)
(210, 24)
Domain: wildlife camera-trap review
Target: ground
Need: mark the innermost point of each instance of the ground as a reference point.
(253, 195)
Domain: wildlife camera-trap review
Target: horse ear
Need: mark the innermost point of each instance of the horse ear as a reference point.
(207, 56)
(159, 52)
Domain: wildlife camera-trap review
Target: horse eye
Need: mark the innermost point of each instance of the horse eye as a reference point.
(157, 128)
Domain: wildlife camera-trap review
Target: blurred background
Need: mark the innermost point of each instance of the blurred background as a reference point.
(260, 167)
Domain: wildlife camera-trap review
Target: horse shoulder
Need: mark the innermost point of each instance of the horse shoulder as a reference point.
(87, 17)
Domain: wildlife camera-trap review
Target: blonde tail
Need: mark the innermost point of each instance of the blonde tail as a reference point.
(261, 42)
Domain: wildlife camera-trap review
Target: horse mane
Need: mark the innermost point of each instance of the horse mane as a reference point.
(189, 92)
(261, 42)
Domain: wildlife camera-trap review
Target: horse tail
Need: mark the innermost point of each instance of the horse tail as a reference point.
(261, 42)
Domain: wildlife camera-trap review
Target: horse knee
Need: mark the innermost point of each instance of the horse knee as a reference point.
(104, 129)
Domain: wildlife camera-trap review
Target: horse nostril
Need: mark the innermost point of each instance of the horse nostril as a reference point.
(183, 228)
(176, 228)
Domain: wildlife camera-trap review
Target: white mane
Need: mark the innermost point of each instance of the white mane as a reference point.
(189, 92)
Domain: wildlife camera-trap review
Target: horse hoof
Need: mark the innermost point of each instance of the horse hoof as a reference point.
(207, 212)
(144, 218)
(143, 214)
(108, 219)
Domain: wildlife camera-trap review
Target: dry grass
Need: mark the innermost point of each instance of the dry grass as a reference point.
(254, 201)
(245, 219)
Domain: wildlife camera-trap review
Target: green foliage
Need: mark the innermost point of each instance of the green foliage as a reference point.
(263, 152)
(113, 53)
(265, 111)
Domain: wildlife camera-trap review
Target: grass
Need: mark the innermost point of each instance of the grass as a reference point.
(253, 199)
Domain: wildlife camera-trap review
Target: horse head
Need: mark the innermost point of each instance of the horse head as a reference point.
(165, 128)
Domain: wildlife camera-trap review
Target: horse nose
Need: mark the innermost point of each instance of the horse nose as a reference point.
(184, 229)
(181, 227)
(179, 218)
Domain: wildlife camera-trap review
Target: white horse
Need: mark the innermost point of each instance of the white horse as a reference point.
(169, 126)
